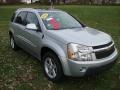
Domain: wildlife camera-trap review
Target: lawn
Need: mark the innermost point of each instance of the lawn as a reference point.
(21, 71)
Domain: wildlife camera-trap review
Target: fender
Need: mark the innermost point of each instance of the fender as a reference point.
(10, 29)
(55, 47)
(60, 53)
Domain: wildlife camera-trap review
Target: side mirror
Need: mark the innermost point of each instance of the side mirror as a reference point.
(31, 27)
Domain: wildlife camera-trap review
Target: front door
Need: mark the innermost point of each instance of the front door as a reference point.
(33, 37)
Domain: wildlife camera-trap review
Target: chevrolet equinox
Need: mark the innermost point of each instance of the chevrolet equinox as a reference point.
(63, 44)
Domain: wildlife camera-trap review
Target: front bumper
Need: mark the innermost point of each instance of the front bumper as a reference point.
(82, 68)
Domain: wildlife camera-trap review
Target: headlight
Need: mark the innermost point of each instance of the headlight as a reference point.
(79, 52)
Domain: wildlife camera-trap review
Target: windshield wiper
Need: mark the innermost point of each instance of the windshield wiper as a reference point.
(74, 27)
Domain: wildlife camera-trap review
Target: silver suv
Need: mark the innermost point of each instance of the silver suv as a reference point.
(64, 45)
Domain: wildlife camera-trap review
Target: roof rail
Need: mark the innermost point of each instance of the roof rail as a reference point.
(25, 9)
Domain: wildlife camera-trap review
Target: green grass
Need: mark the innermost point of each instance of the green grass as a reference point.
(21, 71)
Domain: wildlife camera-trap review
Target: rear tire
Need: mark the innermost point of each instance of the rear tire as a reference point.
(13, 44)
(52, 67)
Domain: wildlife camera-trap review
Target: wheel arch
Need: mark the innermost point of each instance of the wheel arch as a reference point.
(47, 49)
(10, 33)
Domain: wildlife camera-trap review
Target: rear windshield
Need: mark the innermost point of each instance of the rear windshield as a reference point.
(59, 20)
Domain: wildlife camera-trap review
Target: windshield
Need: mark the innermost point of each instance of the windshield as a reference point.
(59, 20)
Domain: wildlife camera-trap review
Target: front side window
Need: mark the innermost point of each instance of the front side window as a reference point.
(32, 19)
(20, 19)
(59, 20)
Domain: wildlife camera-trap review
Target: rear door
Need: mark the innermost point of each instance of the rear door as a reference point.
(19, 27)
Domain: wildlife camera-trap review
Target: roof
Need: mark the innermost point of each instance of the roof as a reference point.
(37, 10)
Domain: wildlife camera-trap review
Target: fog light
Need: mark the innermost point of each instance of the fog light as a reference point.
(83, 69)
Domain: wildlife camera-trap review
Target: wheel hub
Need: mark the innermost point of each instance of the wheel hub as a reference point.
(50, 67)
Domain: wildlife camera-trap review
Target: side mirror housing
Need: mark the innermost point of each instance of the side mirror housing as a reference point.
(31, 26)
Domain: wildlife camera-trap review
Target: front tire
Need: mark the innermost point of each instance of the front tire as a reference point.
(52, 67)
(12, 43)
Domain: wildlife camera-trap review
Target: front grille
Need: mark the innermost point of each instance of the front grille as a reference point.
(102, 46)
(105, 53)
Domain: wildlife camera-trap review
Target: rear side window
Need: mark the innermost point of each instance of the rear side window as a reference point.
(20, 19)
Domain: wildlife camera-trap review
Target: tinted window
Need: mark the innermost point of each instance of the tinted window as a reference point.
(32, 18)
(21, 18)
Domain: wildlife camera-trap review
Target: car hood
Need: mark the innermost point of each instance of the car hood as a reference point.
(85, 36)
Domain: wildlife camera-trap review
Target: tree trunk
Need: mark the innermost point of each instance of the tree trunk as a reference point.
(58, 1)
(64, 1)
(91, 1)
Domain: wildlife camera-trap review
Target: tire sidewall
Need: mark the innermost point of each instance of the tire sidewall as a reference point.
(15, 46)
(55, 59)
(12, 41)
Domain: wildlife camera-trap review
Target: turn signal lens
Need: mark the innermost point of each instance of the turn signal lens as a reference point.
(71, 54)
